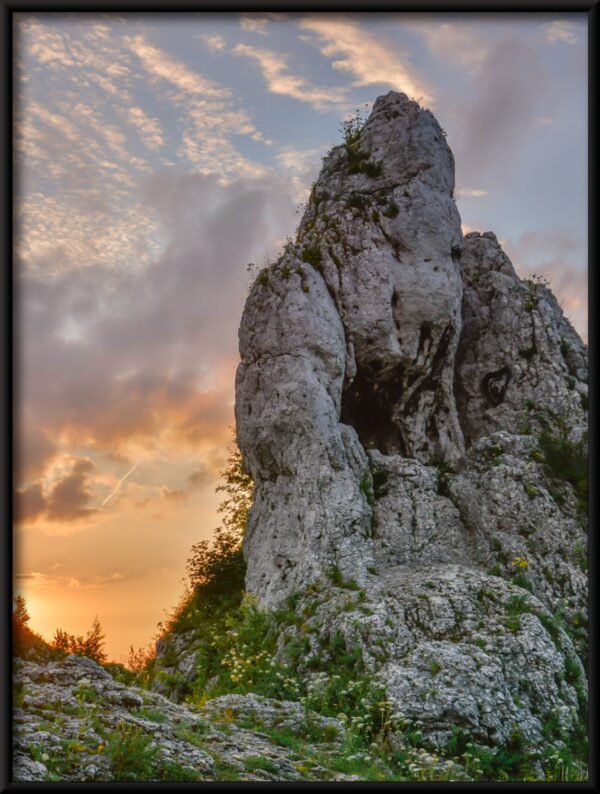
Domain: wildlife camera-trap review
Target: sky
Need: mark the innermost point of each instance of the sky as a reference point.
(159, 156)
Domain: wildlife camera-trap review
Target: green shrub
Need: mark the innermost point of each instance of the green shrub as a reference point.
(131, 754)
(528, 352)
(356, 201)
(568, 461)
(312, 256)
(391, 210)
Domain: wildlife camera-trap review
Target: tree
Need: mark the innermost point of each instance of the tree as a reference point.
(216, 567)
(20, 614)
(138, 660)
(92, 645)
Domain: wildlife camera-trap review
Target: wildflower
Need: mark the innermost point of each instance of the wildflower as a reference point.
(521, 563)
(45, 757)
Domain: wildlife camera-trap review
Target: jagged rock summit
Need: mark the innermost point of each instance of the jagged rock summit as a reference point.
(401, 402)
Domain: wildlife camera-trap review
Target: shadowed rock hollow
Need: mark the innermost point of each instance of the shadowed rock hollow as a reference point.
(398, 396)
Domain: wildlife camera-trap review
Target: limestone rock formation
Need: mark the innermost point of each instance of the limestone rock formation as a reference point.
(73, 719)
(403, 403)
(517, 350)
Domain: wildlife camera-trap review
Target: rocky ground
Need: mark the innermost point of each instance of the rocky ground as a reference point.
(73, 721)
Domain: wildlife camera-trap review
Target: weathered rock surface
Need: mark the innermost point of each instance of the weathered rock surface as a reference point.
(394, 382)
(455, 648)
(517, 350)
(71, 714)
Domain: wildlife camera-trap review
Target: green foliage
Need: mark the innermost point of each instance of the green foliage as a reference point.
(216, 567)
(528, 352)
(435, 667)
(90, 645)
(172, 772)
(391, 210)
(356, 201)
(28, 644)
(150, 714)
(445, 471)
(260, 762)
(568, 461)
(312, 256)
(366, 487)
(20, 614)
(522, 581)
(132, 755)
(581, 557)
(572, 671)
(530, 490)
(338, 580)
(351, 128)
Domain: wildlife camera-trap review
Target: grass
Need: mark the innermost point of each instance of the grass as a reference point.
(260, 762)
(132, 754)
(312, 256)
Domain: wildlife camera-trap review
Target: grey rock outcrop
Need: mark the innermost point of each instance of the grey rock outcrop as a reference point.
(398, 396)
(348, 343)
(517, 351)
(73, 720)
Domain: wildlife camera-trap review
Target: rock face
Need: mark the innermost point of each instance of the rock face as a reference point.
(74, 722)
(516, 348)
(401, 403)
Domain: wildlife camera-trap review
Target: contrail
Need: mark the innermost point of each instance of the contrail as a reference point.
(119, 484)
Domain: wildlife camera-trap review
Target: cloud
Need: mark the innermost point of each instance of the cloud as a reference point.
(33, 452)
(199, 477)
(66, 499)
(214, 43)
(507, 92)
(29, 503)
(46, 580)
(148, 127)
(466, 192)
(161, 65)
(147, 355)
(301, 165)
(560, 257)
(274, 65)
(365, 56)
(254, 23)
(83, 53)
(563, 31)
(69, 498)
(452, 42)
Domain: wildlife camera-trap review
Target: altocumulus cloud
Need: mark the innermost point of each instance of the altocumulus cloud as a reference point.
(145, 355)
